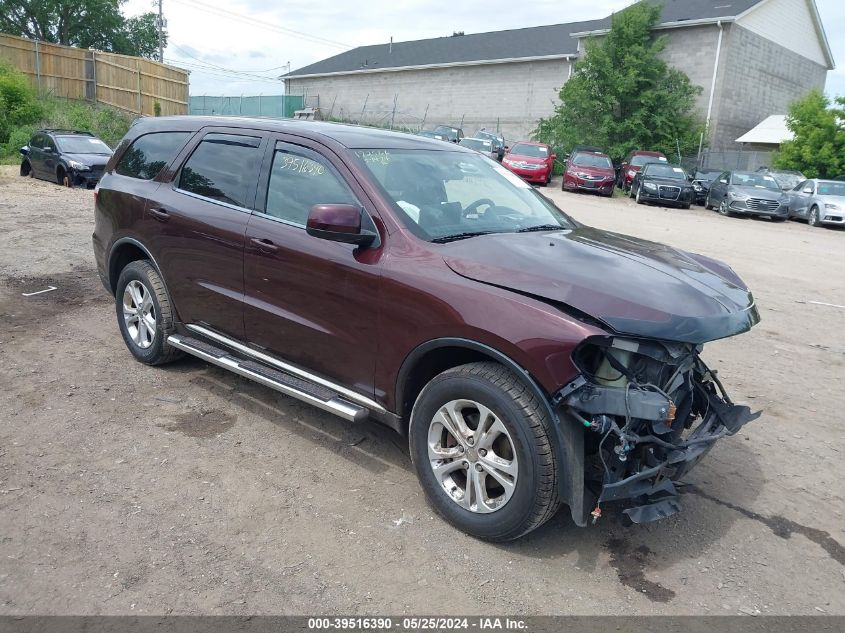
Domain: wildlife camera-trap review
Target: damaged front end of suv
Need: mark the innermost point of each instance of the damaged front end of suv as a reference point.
(651, 410)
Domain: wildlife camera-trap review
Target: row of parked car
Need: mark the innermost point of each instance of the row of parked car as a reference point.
(648, 176)
(532, 161)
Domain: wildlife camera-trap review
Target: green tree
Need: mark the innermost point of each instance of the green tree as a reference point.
(623, 96)
(95, 24)
(818, 147)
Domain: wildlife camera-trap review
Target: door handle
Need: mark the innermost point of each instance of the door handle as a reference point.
(160, 214)
(264, 245)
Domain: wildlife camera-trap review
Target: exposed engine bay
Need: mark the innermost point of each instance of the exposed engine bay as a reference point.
(651, 410)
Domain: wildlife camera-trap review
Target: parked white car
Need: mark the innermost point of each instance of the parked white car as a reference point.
(818, 201)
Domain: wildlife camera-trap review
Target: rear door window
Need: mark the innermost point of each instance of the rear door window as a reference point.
(150, 153)
(224, 168)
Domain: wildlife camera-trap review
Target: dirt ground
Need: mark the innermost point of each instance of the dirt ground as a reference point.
(126, 489)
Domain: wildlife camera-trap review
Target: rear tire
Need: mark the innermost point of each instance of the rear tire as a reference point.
(145, 314)
(62, 178)
(504, 437)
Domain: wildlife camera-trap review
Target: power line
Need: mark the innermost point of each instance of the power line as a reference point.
(260, 23)
(197, 68)
(232, 70)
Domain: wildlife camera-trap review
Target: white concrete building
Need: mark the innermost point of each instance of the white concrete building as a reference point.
(752, 58)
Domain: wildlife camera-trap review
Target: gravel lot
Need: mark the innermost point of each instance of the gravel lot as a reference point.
(185, 489)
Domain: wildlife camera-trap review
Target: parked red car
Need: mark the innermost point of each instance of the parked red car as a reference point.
(589, 171)
(633, 163)
(531, 161)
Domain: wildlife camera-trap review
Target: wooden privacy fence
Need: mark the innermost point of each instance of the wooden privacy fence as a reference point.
(130, 83)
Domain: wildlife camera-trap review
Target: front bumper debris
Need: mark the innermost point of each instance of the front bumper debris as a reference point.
(651, 411)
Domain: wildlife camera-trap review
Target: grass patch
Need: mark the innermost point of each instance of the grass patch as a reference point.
(23, 111)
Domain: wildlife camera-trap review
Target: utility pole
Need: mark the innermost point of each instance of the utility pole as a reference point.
(160, 33)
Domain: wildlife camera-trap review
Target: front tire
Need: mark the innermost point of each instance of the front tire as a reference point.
(724, 209)
(26, 168)
(638, 199)
(480, 445)
(145, 315)
(813, 219)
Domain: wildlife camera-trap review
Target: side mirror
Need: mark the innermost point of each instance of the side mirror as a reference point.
(554, 156)
(338, 223)
(48, 150)
(808, 190)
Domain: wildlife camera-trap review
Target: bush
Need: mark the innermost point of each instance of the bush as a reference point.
(19, 105)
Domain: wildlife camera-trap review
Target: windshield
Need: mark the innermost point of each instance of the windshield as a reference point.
(82, 145)
(828, 188)
(786, 179)
(662, 170)
(639, 160)
(707, 175)
(746, 179)
(443, 196)
(532, 151)
(496, 140)
(592, 160)
(477, 144)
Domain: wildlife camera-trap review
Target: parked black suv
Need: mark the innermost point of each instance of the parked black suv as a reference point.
(67, 157)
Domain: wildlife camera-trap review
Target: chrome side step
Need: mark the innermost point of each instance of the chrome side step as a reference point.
(297, 387)
(275, 363)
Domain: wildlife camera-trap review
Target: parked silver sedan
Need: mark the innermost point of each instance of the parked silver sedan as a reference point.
(747, 193)
(818, 201)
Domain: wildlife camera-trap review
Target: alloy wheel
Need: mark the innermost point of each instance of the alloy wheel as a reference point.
(814, 217)
(139, 314)
(472, 456)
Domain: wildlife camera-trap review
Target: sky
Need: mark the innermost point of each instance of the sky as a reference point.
(239, 47)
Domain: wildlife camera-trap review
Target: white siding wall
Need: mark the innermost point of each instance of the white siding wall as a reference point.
(788, 23)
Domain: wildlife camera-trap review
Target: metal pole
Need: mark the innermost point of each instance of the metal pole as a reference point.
(425, 115)
(331, 110)
(393, 115)
(160, 33)
(140, 103)
(462, 121)
(38, 65)
(365, 107)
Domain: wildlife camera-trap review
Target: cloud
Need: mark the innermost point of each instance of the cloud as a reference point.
(225, 41)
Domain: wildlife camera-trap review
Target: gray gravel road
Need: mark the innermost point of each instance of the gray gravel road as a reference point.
(129, 489)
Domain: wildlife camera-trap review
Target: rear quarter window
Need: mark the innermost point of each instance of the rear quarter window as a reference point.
(150, 153)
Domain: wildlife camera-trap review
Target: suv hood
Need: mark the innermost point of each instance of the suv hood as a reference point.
(665, 180)
(531, 160)
(758, 192)
(92, 160)
(633, 286)
(592, 171)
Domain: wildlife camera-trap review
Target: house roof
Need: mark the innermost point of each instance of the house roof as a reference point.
(554, 41)
(770, 131)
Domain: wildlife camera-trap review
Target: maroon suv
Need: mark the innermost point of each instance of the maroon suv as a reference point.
(529, 359)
